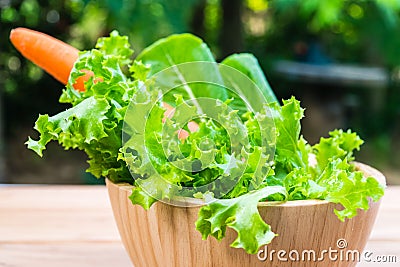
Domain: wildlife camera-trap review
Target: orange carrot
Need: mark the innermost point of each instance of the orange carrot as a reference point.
(58, 58)
(54, 56)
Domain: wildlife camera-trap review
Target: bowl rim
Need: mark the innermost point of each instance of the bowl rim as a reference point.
(366, 169)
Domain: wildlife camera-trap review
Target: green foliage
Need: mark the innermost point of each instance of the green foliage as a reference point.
(172, 159)
(348, 30)
(248, 64)
(294, 178)
(240, 214)
(94, 123)
(238, 174)
(147, 21)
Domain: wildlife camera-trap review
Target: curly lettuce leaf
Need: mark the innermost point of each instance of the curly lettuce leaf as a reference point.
(331, 176)
(342, 183)
(289, 147)
(195, 162)
(116, 46)
(74, 127)
(352, 189)
(94, 123)
(159, 152)
(241, 214)
(139, 197)
(340, 144)
(107, 65)
(292, 150)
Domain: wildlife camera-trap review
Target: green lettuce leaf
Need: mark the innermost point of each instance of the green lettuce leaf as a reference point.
(168, 53)
(341, 182)
(237, 162)
(159, 153)
(241, 214)
(248, 65)
(173, 50)
(74, 127)
(339, 145)
(94, 123)
(292, 150)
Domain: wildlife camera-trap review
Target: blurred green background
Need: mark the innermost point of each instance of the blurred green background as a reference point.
(340, 58)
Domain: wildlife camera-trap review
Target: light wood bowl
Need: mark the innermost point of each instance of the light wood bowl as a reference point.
(166, 236)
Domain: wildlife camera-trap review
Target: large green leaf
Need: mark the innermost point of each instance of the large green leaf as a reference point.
(248, 65)
(175, 49)
(170, 52)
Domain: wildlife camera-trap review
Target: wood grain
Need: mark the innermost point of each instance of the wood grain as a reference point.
(70, 254)
(95, 242)
(165, 235)
(56, 214)
(58, 226)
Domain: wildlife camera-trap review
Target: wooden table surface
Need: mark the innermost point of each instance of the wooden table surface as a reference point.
(73, 226)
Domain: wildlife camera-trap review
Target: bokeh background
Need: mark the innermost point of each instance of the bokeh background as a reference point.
(341, 58)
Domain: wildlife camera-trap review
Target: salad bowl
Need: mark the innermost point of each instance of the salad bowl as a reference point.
(118, 118)
(309, 233)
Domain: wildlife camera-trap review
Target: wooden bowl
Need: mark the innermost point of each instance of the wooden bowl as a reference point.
(166, 236)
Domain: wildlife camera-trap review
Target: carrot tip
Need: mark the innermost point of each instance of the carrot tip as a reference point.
(52, 55)
(12, 35)
(14, 32)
